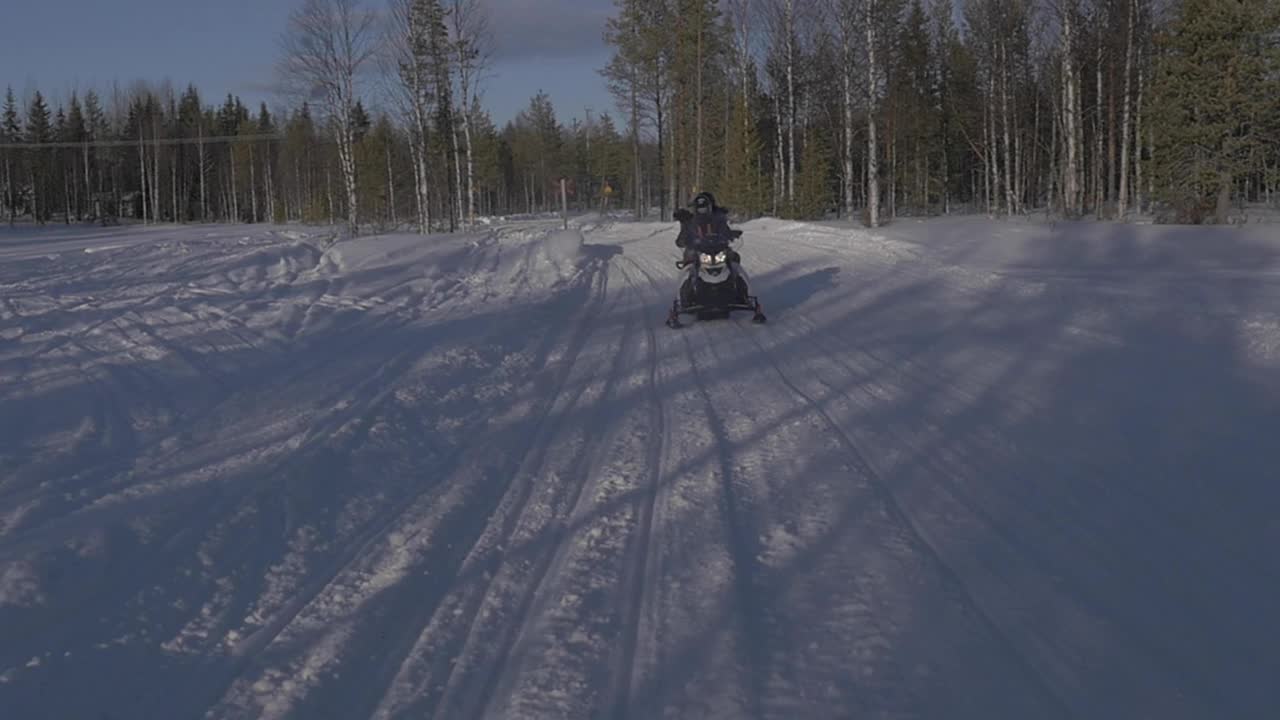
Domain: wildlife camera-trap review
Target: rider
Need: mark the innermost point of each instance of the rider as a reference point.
(708, 221)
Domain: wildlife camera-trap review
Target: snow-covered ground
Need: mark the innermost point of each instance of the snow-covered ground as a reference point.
(970, 469)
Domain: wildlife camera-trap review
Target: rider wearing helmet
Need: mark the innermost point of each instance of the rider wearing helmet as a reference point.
(707, 221)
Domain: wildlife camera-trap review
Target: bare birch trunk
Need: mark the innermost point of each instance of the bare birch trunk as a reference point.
(697, 162)
(35, 197)
(847, 72)
(142, 170)
(791, 103)
(235, 194)
(1009, 190)
(873, 183)
(1055, 152)
(328, 183)
(779, 168)
(66, 197)
(989, 140)
(1098, 173)
(391, 189)
(1071, 129)
(347, 160)
(88, 180)
(204, 195)
(173, 185)
(1138, 198)
(457, 173)
(1123, 206)
(155, 170)
(418, 185)
(638, 169)
(471, 172)
(253, 186)
(271, 190)
(9, 198)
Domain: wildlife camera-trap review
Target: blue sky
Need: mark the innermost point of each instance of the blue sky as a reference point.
(230, 46)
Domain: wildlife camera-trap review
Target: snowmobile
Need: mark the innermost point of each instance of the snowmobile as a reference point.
(717, 287)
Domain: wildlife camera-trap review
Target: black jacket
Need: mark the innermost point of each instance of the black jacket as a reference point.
(694, 230)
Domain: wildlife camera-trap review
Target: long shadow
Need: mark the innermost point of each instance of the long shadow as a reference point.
(1129, 512)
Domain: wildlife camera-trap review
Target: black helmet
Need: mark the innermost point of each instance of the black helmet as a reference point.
(704, 203)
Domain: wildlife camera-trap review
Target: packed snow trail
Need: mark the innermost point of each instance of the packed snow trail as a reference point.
(969, 469)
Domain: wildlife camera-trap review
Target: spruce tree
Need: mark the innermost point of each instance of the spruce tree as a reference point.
(360, 122)
(1213, 64)
(39, 131)
(814, 194)
(98, 129)
(77, 161)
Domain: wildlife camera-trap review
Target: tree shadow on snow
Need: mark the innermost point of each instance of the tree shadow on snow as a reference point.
(1046, 495)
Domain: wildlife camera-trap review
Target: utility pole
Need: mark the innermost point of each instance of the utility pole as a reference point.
(564, 204)
(586, 191)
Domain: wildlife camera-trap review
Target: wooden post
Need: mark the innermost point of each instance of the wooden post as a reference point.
(564, 204)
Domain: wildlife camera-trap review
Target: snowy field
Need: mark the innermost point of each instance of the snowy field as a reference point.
(970, 469)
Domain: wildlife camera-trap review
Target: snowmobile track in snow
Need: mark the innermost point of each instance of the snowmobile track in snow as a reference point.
(639, 582)
(971, 469)
(904, 518)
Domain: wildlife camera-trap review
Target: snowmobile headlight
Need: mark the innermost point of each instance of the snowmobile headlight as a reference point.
(706, 259)
(722, 257)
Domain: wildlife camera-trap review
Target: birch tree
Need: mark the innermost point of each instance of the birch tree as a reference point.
(326, 48)
(843, 17)
(410, 62)
(10, 133)
(472, 54)
(1070, 108)
(1123, 200)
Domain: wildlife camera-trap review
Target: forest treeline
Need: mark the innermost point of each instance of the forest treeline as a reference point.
(870, 109)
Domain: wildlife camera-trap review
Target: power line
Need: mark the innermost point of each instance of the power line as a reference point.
(134, 143)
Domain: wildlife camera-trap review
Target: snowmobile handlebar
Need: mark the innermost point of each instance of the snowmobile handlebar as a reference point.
(733, 235)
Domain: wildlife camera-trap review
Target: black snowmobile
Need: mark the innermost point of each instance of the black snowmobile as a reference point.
(717, 287)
